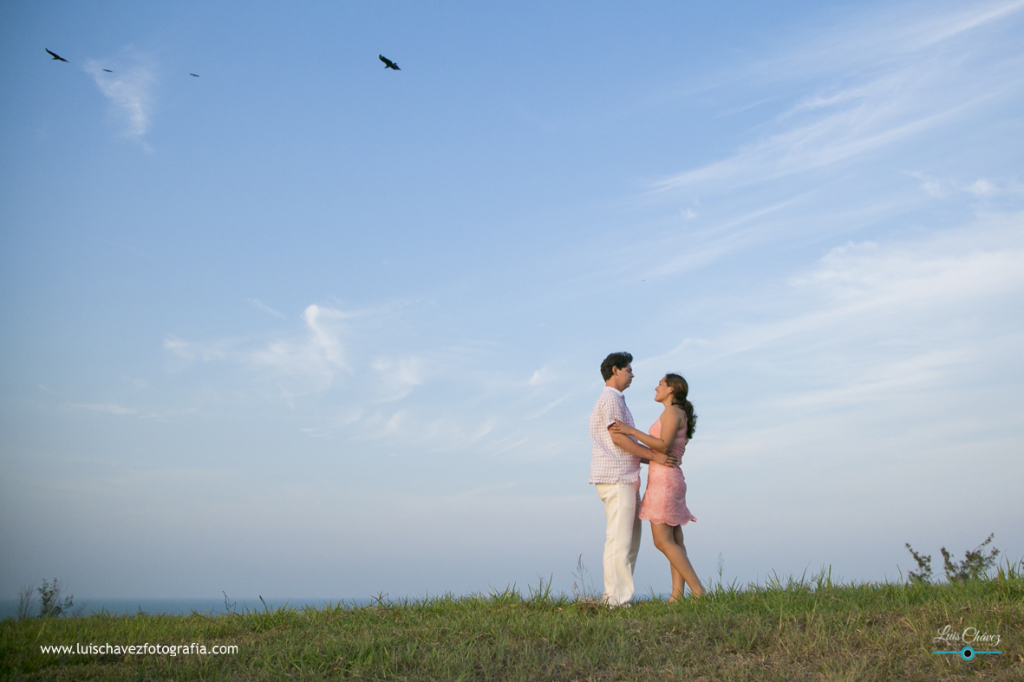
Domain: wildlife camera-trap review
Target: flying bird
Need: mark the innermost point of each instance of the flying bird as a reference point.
(194, 74)
(108, 70)
(388, 64)
(55, 55)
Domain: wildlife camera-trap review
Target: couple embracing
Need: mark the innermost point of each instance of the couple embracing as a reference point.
(619, 449)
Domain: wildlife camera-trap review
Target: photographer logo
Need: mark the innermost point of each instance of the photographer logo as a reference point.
(969, 638)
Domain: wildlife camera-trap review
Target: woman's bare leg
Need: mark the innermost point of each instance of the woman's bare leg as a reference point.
(678, 585)
(669, 540)
(696, 589)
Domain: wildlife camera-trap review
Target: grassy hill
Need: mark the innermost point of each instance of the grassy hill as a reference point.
(787, 630)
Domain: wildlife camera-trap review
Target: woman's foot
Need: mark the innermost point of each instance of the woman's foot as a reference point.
(678, 597)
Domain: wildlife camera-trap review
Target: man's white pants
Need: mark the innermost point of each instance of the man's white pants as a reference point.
(622, 539)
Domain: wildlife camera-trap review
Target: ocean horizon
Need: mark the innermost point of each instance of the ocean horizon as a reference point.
(212, 605)
(177, 607)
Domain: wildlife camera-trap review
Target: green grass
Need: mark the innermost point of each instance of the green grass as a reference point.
(786, 630)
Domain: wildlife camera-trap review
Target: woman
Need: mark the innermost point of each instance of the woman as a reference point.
(664, 502)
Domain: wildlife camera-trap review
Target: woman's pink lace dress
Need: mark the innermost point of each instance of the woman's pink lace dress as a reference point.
(665, 498)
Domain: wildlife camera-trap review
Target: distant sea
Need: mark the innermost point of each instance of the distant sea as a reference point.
(84, 607)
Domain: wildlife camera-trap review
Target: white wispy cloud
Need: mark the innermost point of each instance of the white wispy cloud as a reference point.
(889, 115)
(883, 353)
(541, 376)
(876, 323)
(293, 365)
(887, 86)
(882, 38)
(899, 380)
(961, 20)
(983, 188)
(105, 408)
(485, 490)
(949, 267)
(260, 305)
(882, 81)
(188, 352)
(705, 245)
(119, 410)
(379, 403)
(317, 356)
(398, 377)
(130, 89)
(550, 406)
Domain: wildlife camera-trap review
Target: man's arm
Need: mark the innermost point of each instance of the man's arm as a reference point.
(634, 448)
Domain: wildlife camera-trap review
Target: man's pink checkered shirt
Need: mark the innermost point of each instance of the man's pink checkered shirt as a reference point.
(608, 462)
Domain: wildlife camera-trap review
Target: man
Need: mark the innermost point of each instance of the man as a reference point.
(615, 471)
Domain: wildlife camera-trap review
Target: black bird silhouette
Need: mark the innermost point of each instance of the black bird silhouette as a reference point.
(194, 74)
(108, 70)
(388, 64)
(55, 55)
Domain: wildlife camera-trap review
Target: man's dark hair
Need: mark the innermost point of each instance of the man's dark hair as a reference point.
(614, 361)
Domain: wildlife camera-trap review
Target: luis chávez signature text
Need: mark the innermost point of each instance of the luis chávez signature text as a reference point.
(969, 635)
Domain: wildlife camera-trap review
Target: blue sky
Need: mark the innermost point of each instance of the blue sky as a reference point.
(306, 327)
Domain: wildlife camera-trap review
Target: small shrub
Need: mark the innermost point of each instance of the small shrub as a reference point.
(923, 574)
(975, 565)
(50, 603)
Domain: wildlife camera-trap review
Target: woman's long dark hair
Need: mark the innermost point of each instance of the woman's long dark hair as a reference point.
(680, 389)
